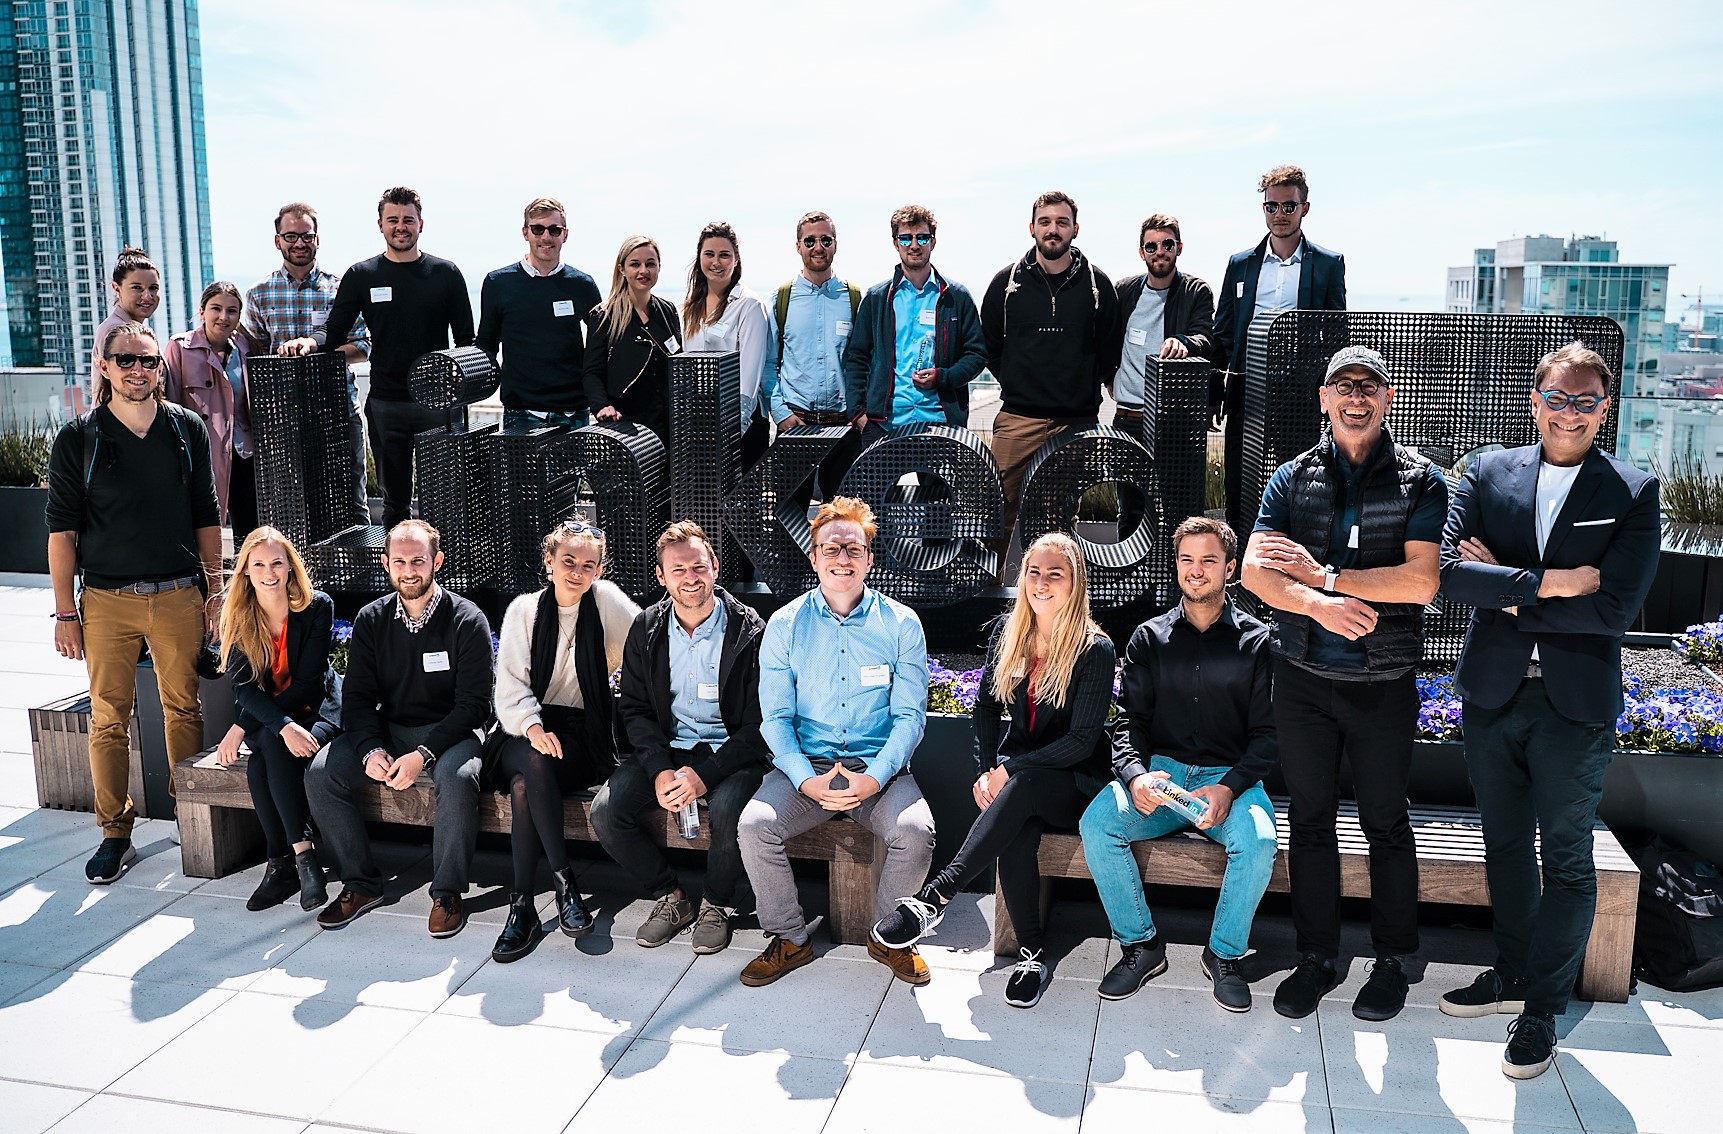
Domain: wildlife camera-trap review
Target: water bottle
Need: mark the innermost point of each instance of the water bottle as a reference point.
(924, 353)
(688, 818)
(1173, 796)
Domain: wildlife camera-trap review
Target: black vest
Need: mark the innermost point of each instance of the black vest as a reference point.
(1391, 486)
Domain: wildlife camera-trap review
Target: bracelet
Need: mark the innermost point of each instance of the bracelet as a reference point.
(66, 616)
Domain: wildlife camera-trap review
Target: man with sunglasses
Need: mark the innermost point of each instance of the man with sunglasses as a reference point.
(287, 306)
(132, 507)
(917, 342)
(1285, 271)
(1554, 545)
(1167, 314)
(534, 310)
(843, 701)
(1345, 551)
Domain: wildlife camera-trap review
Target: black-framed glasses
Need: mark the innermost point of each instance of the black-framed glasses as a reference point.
(832, 552)
(1346, 387)
(127, 361)
(554, 230)
(1558, 400)
(297, 237)
(921, 239)
(1166, 245)
(1288, 207)
(822, 241)
(580, 527)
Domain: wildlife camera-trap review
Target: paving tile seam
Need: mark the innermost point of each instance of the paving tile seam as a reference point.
(851, 1061)
(1515, 1123)
(129, 1096)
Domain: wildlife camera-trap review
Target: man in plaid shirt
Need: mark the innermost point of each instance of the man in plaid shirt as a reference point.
(282, 310)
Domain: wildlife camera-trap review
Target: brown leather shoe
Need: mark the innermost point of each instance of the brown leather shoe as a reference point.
(905, 964)
(780, 957)
(447, 917)
(348, 904)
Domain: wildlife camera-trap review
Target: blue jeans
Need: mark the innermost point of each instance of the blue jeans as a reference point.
(1112, 823)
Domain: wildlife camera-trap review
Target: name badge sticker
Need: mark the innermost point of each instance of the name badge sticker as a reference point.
(382, 294)
(873, 676)
(1138, 336)
(841, 329)
(561, 308)
(708, 691)
(927, 317)
(436, 661)
(671, 346)
(1240, 292)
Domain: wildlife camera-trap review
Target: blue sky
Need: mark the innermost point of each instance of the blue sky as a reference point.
(1426, 130)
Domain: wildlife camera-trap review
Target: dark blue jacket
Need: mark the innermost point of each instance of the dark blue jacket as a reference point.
(870, 359)
(1611, 520)
(1321, 287)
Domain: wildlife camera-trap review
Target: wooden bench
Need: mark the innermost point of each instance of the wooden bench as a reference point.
(1450, 870)
(219, 833)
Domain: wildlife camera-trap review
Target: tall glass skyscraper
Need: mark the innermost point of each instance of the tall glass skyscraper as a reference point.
(101, 145)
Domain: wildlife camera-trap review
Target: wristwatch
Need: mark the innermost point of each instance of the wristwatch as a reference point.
(1330, 578)
(430, 757)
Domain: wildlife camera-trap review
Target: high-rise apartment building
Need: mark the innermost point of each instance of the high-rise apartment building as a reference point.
(101, 145)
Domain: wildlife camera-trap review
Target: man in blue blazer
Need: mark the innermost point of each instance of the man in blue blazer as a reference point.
(1283, 272)
(1555, 545)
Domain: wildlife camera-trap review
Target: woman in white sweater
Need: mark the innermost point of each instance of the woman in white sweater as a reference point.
(719, 314)
(557, 653)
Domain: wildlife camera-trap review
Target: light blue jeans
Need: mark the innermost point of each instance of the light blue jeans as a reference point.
(1112, 823)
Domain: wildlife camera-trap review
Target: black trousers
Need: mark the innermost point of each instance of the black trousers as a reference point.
(277, 781)
(242, 500)
(536, 784)
(1010, 830)
(1371, 723)
(393, 425)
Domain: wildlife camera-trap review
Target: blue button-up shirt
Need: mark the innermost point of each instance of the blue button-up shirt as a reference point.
(851, 689)
(1277, 285)
(694, 680)
(914, 311)
(816, 329)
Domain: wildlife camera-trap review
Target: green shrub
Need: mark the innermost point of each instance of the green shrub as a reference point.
(24, 453)
(1690, 494)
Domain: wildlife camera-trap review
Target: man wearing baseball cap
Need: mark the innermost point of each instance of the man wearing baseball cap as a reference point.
(1346, 550)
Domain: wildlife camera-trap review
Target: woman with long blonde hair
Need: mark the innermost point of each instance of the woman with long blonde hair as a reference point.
(275, 640)
(1053, 668)
(629, 340)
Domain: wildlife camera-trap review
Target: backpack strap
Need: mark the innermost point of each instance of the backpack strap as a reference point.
(855, 299)
(781, 307)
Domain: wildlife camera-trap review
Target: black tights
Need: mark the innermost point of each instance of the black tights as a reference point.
(536, 784)
(277, 781)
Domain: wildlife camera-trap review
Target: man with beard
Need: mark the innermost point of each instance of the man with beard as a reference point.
(413, 303)
(1194, 710)
(534, 309)
(1051, 324)
(131, 505)
(286, 307)
(418, 687)
(1167, 314)
(690, 702)
(1345, 550)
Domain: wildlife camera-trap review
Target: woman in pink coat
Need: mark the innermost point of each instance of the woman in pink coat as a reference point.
(206, 373)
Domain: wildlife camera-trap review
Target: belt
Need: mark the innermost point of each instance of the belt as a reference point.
(1535, 669)
(161, 587)
(822, 417)
(1121, 411)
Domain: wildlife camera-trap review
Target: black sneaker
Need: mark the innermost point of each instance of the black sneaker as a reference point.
(1137, 965)
(1231, 990)
(1531, 1045)
(1486, 996)
(1028, 981)
(913, 919)
(1300, 993)
(110, 861)
(1384, 994)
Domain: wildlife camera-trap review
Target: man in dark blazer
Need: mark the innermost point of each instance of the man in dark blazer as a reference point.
(1283, 272)
(1555, 544)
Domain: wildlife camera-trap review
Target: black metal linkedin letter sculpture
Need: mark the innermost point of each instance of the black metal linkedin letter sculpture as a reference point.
(767, 514)
(1069, 466)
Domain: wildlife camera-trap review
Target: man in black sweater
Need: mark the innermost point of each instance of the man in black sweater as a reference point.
(534, 310)
(419, 677)
(1051, 321)
(413, 303)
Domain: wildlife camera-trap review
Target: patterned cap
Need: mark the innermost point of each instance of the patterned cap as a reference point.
(1361, 356)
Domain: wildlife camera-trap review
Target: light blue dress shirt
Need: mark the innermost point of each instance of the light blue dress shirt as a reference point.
(235, 369)
(1277, 284)
(835, 688)
(816, 329)
(694, 662)
(915, 313)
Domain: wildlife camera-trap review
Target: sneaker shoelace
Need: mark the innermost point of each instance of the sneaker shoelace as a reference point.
(711, 915)
(447, 905)
(665, 910)
(1536, 1024)
(924, 911)
(1029, 965)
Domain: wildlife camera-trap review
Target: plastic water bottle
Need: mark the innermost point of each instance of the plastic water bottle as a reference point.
(1173, 796)
(688, 818)
(924, 353)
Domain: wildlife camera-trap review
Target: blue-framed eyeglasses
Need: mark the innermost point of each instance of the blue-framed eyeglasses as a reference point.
(1558, 400)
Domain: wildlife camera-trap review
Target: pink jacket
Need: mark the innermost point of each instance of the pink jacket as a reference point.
(196, 380)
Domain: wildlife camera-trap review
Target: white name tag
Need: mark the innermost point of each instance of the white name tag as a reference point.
(708, 692)
(1138, 336)
(926, 317)
(841, 329)
(1240, 292)
(562, 307)
(382, 294)
(1593, 523)
(319, 318)
(436, 661)
(671, 346)
(875, 675)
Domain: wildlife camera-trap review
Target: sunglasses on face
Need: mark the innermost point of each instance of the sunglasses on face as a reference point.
(921, 239)
(297, 237)
(822, 241)
(1558, 400)
(127, 361)
(1166, 245)
(1346, 387)
(555, 230)
(1287, 207)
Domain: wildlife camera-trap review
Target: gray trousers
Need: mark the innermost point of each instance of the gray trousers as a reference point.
(337, 774)
(778, 813)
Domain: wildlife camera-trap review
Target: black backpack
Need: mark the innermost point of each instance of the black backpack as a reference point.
(1678, 941)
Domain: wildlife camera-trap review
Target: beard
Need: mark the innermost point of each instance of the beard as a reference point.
(414, 591)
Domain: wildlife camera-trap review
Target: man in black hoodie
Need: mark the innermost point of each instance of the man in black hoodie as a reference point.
(1051, 321)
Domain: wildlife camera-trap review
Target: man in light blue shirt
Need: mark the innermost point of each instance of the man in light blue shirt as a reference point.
(843, 702)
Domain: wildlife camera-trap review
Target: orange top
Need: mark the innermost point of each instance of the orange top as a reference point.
(278, 659)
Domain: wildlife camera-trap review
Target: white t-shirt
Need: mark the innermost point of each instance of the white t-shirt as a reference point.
(1554, 483)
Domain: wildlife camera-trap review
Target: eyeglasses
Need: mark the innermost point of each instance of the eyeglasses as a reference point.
(576, 527)
(1166, 245)
(296, 237)
(1289, 207)
(127, 361)
(822, 241)
(555, 230)
(905, 239)
(1559, 400)
(832, 552)
(1346, 387)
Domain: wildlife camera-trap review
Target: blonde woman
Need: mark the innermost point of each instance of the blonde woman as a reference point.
(629, 340)
(275, 637)
(557, 718)
(1053, 667)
